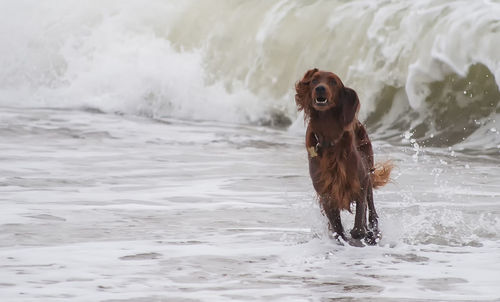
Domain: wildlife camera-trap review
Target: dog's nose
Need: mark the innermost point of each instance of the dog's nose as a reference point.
(320, 89)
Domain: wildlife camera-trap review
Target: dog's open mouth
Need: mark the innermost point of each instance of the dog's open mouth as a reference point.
(321, 101)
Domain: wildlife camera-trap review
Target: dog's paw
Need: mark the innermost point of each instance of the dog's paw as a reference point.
(340, 239)
(358, 233)
(373, 237)
(356, 242)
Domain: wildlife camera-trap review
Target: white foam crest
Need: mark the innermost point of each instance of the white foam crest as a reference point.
(234, 61)
(462, 36)
(412, 44)
(113, 58)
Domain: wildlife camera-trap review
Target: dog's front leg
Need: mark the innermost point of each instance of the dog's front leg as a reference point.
(333, 215)
(359, 230)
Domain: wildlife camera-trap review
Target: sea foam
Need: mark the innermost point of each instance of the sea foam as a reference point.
(238, 62)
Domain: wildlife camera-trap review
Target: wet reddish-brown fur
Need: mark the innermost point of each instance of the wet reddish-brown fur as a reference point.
(344, 171)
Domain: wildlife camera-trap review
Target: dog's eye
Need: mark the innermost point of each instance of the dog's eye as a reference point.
(333, 82)
(315, 81)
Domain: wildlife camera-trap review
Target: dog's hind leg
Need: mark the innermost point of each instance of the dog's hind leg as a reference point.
(373, 235)
(372, 213)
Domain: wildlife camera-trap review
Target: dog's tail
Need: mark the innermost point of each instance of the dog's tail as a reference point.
(381, 174)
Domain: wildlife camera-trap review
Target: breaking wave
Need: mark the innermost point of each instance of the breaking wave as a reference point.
(427, 71)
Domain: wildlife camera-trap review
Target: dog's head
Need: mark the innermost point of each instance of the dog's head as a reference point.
(321, 91)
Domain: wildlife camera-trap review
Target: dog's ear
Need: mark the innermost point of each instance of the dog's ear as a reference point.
(350, 106)
(308, 75)
(303, 92)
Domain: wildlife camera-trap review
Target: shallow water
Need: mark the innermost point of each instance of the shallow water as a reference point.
(100, 207)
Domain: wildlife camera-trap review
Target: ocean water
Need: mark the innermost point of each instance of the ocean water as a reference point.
(153, 152)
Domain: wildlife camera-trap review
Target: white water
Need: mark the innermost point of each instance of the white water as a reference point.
(103, 207)
(196, 59)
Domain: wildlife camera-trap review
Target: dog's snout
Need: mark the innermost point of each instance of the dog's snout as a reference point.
(320, 89)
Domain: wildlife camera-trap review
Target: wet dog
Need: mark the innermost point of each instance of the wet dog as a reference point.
(340, 153)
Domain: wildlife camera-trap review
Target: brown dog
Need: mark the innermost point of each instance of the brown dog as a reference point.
(340, 153)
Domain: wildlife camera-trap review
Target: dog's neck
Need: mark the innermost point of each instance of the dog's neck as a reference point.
(326, 126)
